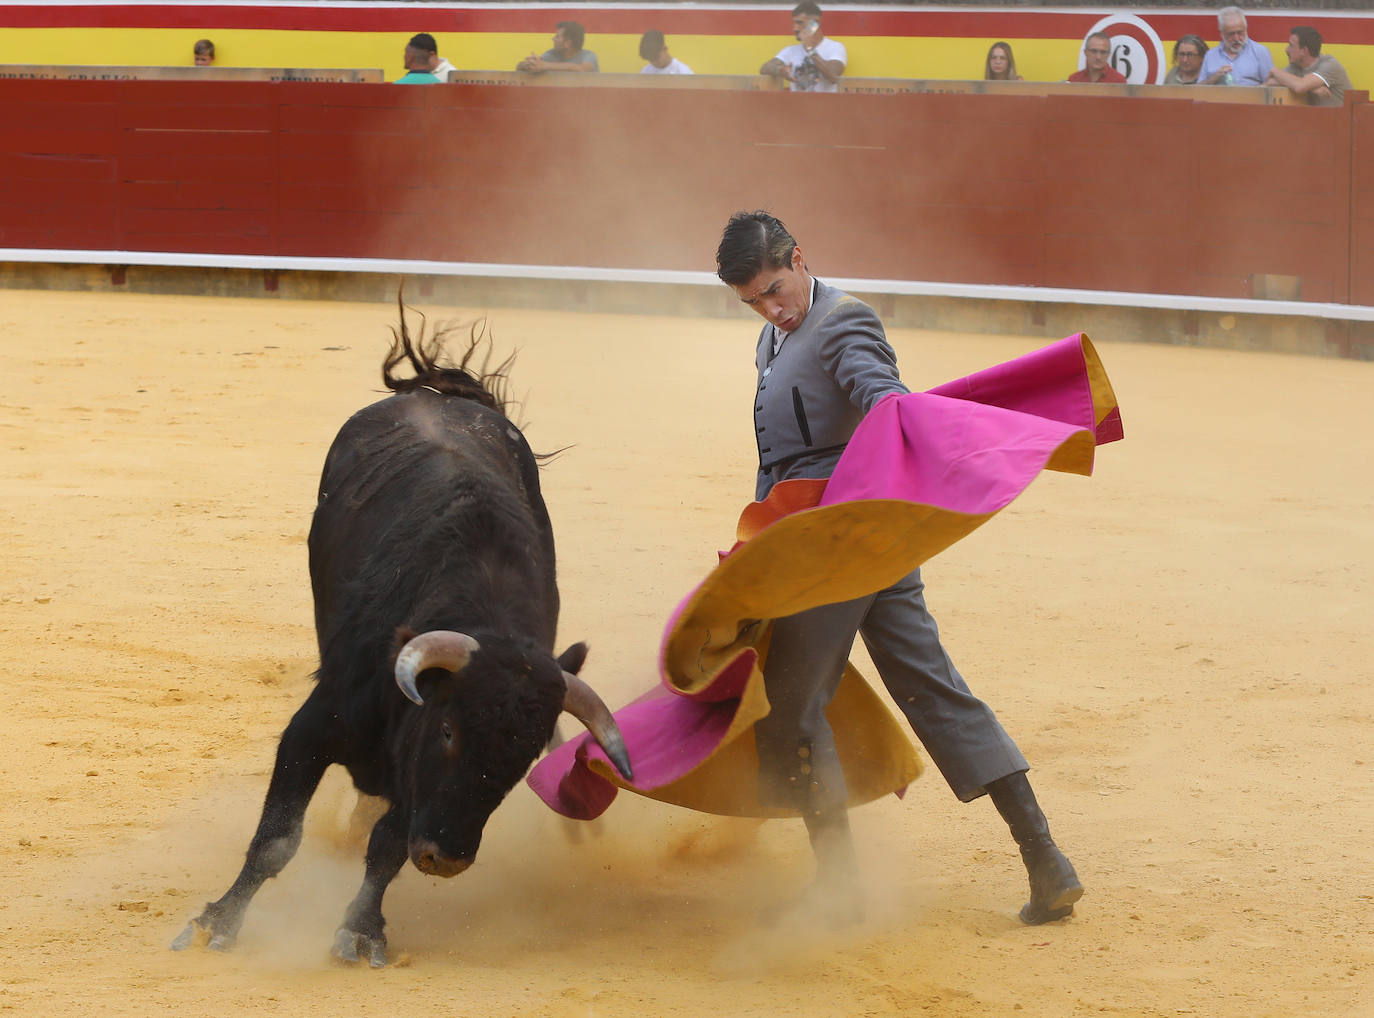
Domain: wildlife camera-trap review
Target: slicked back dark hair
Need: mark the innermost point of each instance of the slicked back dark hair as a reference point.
(752, 242)
(1308, 38)
(807, 8)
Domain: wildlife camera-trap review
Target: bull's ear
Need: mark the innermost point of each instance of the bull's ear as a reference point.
(572, 659)
(402, 636)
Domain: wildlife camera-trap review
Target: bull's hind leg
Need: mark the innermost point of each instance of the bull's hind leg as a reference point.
(300, 765)
(363, 925)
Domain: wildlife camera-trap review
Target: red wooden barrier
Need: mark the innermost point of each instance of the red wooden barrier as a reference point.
(1362, 206)
(1074, 191)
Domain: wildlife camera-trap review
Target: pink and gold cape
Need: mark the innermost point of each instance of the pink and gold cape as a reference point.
(922, 471)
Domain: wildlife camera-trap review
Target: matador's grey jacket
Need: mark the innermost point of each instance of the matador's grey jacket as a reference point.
(813, 394)
(828, 374)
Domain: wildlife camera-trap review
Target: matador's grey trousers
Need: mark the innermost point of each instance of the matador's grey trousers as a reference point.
(798, 763)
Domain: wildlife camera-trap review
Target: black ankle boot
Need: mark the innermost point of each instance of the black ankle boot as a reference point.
(1054, 885)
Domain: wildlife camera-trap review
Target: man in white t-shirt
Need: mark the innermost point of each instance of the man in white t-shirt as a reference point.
(654, 48)
(813, 63)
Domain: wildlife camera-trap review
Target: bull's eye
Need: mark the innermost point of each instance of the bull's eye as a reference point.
(446, 731)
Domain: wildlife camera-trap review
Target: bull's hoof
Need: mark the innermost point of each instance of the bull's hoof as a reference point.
(348, 945)
(200, 934)
(187, 938)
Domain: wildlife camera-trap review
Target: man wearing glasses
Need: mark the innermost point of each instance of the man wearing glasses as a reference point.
(1187, 69)
(1097, 68)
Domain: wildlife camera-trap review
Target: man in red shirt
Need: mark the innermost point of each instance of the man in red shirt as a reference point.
(1096, 51)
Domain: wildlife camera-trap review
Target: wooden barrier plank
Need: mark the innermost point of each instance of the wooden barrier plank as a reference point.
(209, 143)
(205, 94)
(381, 160)
(38, 114)
(1247, 94)
(390, 235)
(353, 195)
(185, 115)
(193, 166)
(56, 194)
(89, 236)
(206, 243)
(602, 79)
(57, 216)
(89, 72)
(54, 138)
(1279, 210)
(359, 118)
(24, 169)
(173, 221)
(52, 212)
(1362, 205)
(188, 195)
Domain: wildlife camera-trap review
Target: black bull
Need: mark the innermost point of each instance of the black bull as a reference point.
(432, 566)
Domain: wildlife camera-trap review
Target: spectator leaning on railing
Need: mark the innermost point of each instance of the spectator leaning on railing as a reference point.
(567, 53)
(1238, 60)
(1310, 72)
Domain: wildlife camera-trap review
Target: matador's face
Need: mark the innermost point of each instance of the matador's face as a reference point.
(782, 296)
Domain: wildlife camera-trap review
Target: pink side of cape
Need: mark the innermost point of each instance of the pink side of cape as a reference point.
(969, 446)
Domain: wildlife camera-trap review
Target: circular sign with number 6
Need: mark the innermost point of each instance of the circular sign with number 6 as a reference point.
(1136, 50)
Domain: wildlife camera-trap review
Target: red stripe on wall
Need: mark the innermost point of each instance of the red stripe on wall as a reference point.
(839, 22)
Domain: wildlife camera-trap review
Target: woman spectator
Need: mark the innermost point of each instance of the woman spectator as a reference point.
(1000, 64)
(1188, 54)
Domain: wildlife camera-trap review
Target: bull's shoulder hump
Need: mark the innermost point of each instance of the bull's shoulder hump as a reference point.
(424, 410)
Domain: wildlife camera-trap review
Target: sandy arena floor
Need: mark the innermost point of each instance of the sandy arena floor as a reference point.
(1181, 644)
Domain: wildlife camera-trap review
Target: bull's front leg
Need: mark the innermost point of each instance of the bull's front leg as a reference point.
(363, 925)
(301, 763)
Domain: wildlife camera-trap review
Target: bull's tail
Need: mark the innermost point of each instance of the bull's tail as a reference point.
(473, 377)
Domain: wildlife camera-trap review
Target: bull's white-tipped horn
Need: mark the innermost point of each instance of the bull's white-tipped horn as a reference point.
(439, 648)
(582, 703)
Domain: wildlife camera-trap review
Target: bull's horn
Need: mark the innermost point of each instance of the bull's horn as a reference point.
(582, 703)
(439, 648)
